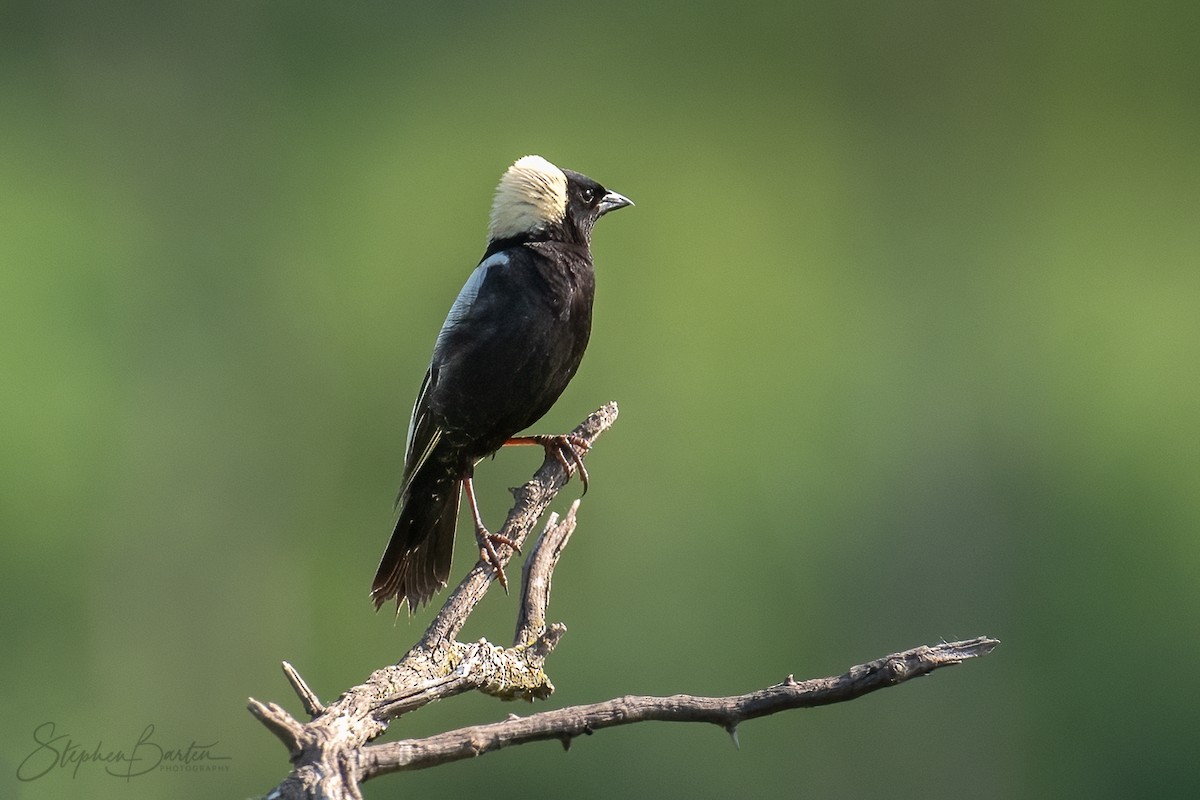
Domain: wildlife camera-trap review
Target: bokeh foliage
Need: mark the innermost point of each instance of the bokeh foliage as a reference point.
(905, 329)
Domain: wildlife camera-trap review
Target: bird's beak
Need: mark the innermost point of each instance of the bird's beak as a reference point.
(612, 201)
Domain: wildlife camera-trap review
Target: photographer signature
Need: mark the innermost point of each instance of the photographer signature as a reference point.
(58, 751)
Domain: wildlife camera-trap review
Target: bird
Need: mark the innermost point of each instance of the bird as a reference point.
(510, 344)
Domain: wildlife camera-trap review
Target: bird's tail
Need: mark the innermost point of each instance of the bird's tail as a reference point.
(416, 562)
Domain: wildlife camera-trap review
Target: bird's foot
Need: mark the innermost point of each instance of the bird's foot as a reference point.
(487, 552)
(487, 539)
(567, 449)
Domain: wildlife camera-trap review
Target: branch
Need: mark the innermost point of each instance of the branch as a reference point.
(331, 756)
(532, 500)
(727, 712)
(535, 578)
(326, 752)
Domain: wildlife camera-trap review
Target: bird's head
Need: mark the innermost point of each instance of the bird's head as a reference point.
(537, 200)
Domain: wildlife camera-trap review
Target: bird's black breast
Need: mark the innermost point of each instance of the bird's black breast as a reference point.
(511, 343)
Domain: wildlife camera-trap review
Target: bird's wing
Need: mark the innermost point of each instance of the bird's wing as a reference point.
(465, 302)
(423, 435)
(423, 432)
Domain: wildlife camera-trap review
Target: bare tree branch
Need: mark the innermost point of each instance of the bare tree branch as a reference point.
(325, 751)
(532, 501)
(727, 712)
(331, 756)
(535, 579)
(309, 698)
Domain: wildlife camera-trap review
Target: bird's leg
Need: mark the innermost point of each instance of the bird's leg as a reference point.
(568, 450)
(487, 539)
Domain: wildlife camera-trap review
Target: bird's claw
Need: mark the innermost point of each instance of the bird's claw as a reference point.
(487, 552)
(497, 538)
(567, 449)
(576, 448)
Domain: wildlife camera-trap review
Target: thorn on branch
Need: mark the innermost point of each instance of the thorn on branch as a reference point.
(733, 734)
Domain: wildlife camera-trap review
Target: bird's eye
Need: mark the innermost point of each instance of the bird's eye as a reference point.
(588, 195)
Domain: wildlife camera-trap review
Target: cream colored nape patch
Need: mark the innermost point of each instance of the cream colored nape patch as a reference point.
(532, 194)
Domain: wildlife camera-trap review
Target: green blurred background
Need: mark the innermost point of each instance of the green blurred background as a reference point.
(905, 331)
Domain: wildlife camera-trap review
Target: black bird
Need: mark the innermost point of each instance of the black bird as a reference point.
(510, 344)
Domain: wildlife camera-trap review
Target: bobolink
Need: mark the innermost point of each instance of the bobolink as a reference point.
(510, 344)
